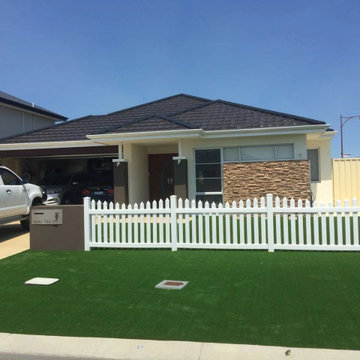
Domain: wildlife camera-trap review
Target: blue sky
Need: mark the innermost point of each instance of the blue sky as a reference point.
(84, 57)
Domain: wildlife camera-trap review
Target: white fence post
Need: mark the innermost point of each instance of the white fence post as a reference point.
(173, 222)
(87, 233)
(270, 222)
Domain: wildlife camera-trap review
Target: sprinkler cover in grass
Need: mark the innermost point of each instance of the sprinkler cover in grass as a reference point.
(171, 284)
(41, 281)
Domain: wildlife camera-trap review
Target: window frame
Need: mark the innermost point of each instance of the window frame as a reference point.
(318, 161)
(220, 163)
(258, 146)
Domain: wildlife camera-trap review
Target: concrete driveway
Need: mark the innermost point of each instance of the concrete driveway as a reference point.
(13, 239)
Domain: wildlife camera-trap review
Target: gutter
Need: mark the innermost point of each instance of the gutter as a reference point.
(47, 145)
(33, 109)
(200, 133)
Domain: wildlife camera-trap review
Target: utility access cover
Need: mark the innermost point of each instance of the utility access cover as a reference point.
(41, 281)
(171, 284)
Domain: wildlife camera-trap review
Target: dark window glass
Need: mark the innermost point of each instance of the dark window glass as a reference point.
(210, 198)
(313, 157)
(208, 171)
(9, 178)
(207, 156)
(83, 177)
(102, 181)
(205, 185)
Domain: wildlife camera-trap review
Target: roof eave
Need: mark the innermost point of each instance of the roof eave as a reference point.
(33, 109)
(114, 138)
(47, 145)
(284, 130)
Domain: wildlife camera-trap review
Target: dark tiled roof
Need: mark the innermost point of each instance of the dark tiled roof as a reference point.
(78, 129)
(224, 115)
(153, 123)
(14, 101)
(172, 113)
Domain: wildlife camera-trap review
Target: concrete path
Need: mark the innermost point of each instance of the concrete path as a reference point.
(13, 239)
(15, 346)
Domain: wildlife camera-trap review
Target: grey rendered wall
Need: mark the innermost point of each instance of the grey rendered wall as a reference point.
(67, 236)
(14, 121)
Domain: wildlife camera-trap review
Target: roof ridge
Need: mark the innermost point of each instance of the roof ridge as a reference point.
(271, 111)
(193, 108)
(153, 115)
(46, 128)
(135, 121)
(182, 123)
(155, 101)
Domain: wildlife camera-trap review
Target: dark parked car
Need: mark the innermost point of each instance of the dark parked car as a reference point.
(66, 188)
(101, 188)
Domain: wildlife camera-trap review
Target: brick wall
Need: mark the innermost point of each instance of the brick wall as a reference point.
(255, 179)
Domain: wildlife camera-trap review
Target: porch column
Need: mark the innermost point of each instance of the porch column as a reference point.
(180, 178)
(121, 185)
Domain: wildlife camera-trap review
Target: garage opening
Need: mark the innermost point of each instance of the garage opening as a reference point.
(68, 180)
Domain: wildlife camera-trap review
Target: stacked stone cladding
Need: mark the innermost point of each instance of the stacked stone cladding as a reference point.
(243, 180)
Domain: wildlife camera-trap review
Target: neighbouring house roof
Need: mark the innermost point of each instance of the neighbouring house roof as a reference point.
(172, 113)
(24, 105)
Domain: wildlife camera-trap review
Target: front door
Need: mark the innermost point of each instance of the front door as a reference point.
(161, 176)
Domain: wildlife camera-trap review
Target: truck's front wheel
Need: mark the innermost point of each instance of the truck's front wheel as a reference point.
(25, 224)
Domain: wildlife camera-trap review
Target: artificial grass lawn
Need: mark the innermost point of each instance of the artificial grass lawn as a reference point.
(303, 299)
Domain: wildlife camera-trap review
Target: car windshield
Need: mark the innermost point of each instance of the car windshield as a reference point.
(55, 180)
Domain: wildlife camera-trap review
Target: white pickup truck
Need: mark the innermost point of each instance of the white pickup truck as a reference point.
(16, 198)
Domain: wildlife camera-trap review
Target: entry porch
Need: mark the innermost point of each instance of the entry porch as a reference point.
(146, 171)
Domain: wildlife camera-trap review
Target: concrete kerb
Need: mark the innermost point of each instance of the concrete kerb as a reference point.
(17, 346)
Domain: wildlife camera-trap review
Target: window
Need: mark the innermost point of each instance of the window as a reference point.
(208, 175)
(9, 178)
(259, 153)
(251, 153)
(284, 152)
(232, 154)
(313, 157)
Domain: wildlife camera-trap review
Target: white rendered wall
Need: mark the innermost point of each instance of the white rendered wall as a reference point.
(299, 142)
(137, 158)
(323, 189)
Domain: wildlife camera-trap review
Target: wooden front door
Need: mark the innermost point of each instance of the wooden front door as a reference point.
(161, 176)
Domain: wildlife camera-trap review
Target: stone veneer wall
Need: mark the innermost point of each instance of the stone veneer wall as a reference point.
(245, 180)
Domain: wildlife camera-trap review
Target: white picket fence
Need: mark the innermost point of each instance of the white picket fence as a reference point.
(265, 224)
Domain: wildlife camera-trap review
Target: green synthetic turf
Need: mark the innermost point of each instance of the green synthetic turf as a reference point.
(303, 299)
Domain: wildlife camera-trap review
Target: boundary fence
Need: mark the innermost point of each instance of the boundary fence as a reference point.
(267, 224)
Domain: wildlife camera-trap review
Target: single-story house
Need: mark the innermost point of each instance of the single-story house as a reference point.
(196, 148)
(19, 116)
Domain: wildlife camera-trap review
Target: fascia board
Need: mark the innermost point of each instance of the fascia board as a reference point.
(175, 134)
(47, 145)
(148, 135)
(289, 130)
